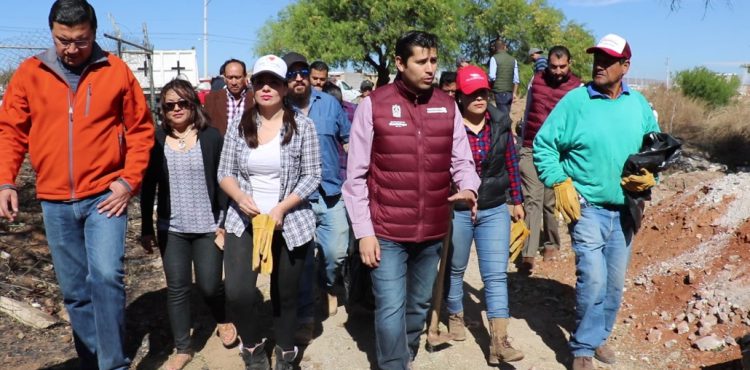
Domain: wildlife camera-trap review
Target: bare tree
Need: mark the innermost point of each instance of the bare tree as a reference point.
(675, 4)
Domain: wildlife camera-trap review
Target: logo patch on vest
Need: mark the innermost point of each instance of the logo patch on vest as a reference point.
(396, 110)
(397, 123)
(437, 110)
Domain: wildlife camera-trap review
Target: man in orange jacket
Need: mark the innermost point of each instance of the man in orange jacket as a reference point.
(83, 118)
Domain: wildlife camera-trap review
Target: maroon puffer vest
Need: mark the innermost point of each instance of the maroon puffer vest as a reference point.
(544, 97)
(409, 180)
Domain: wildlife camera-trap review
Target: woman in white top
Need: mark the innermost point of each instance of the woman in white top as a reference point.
(270, 164)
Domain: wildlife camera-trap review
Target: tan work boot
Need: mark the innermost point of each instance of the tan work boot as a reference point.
(456, 326)
(605, 354)
(500, 348)
(333, 304)
(583, 363)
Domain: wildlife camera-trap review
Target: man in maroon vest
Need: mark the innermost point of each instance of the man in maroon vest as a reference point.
(229, 103)
(546, 89)
(407, 145)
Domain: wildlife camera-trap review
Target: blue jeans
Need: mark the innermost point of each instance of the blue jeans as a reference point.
(503, 101)
(402, 286)
(88, 250)
(332, 241)
(601, 241)
(491, 234)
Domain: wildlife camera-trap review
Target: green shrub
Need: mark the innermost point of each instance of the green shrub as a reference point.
(704, 84)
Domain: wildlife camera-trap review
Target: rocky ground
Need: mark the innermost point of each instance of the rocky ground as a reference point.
(686, 301)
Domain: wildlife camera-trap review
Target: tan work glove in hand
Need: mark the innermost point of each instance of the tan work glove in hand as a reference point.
(518, 234)
(638, 183)
(566, 201)
(263, 226)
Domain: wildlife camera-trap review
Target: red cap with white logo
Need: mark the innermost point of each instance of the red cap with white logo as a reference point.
(470, 79)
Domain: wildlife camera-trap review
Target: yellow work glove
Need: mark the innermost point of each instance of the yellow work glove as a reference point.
(638, 183)
(566, 201)
(263, 226)
(518, 234)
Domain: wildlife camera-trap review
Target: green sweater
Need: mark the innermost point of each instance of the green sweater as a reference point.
(588, 137)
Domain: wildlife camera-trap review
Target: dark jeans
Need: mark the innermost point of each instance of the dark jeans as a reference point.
(503, 100)
(241, 292)
(180, 252)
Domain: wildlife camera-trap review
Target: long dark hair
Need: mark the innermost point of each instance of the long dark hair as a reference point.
(248, 127)
(184, 90)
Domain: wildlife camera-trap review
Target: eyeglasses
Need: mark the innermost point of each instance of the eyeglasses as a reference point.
(305, 73)
(259, 82)
(183, 104)
(80, 44)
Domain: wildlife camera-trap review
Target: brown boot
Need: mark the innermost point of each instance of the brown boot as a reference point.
(500, 348)
(456, 326)
(605, 354)
(550, 254)
(583, 363)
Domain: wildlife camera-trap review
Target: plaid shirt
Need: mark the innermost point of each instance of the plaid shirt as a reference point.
(480, 145)
(235, 107)
(300, 174)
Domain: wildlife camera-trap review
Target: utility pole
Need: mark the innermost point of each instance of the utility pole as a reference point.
(150, 61)
(118, 34)
(205, 38)
(668, 73)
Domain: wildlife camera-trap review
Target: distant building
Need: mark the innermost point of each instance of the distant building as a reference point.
(168, 64)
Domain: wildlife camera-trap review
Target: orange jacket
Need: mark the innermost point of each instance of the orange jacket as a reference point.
(78, 142)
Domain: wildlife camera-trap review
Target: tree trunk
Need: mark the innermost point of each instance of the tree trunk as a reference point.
(383, 76)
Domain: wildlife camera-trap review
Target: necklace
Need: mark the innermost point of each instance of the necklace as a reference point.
(181, 144)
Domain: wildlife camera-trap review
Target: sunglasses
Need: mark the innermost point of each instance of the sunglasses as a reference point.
(302, 72)
(183, 104)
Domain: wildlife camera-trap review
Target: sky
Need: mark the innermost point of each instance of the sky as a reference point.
(717, 37)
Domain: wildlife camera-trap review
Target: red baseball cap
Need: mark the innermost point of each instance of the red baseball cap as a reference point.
(470, 79)
(613, 45)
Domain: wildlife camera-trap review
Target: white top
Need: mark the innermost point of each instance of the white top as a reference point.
(264, 164)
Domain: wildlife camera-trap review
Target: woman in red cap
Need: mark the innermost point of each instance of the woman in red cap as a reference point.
(494, 153)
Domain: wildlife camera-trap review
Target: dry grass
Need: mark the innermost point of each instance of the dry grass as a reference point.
(724, 133)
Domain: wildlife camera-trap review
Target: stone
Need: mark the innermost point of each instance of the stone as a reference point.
(704, 330)
(654, 335)
(723, 317)
(730, 341)
(692, 337)
(708, 343)
(690, 317)
(680, 317)
(665, 316)
(709, 321)
(640, 280)
(690, 278)
(682, 327)
(670, 343)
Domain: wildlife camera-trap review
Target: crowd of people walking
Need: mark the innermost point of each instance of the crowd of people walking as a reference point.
(276, 172)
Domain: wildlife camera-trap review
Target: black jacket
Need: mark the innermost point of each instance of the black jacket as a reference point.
(157, 174)
(495, 180)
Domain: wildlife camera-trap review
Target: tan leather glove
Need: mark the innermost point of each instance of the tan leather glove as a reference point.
(638, 183)
(263, 226)
(518, 234)
(566, 201)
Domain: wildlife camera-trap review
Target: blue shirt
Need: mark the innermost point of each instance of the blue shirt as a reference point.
(333, 127)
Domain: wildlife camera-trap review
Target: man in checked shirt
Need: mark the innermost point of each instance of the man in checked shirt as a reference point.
(229, 103)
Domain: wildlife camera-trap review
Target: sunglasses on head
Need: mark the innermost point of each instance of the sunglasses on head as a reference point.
(183, 104)
(302, 72)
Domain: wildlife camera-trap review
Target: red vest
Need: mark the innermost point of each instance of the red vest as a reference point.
(409, 179)
(544, 97)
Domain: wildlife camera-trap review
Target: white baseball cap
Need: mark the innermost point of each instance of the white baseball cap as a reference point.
(613, 45)
(270, 64)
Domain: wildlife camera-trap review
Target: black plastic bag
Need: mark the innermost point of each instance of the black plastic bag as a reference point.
(357, 282)
(658, 151)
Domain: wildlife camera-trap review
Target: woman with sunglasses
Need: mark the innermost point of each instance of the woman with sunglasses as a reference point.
(494, 153)
(183, 166)
(270, 165)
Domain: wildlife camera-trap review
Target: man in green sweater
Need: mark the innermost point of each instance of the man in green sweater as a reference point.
(580, 151)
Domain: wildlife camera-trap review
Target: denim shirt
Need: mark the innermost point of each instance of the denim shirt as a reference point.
(333, 127)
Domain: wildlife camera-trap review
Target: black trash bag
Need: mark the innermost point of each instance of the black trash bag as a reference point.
(658, 151)
(357, 282)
